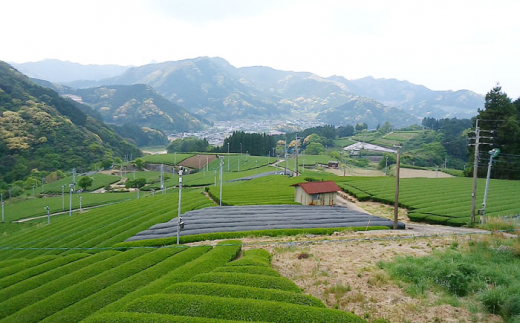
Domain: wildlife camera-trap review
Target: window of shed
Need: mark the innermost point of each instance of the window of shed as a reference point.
(315, 196)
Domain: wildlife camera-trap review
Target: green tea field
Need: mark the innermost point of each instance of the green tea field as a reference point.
(167, 159)
(68, 271)
(442, 200)
(99, 181)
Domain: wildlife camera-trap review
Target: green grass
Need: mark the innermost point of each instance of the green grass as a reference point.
(440, 200)
(100, 180)
(21, 209)
(481, 272)
(167, 159)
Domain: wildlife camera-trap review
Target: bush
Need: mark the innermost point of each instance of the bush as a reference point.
(240, 234)
(123, 317)
(36, 281)
(223, 290)
(436, 219)
(237, 309)
(64, 297)
(249, 280)
(24, 265)
(91, 304)
(255, 270)
(36, 270)
(216, 257)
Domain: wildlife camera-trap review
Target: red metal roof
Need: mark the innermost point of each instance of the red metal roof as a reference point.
(319, 187)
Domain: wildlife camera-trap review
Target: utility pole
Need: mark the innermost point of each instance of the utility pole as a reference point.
(285, 169)
(296, 160)
(175, 159)
(228, 147)
(48, 214)
(303, 169)
(238, 158)
(475, 173)
(43, 184)
(396, 203)
(63, 197)
(71, 187)
(179, 219)
(221, 163)
(33, 189)
(492, 153)
(3, 218)
(162, 178)
(445, 163)
(436, 171)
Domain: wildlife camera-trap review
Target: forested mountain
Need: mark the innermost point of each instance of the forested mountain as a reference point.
(57, 71)
(41, 131)
(216, 90)
(140, 105)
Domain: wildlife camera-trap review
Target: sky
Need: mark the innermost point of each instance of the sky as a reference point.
(441, 44)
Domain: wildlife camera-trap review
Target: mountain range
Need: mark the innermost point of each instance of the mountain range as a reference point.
(213, 89)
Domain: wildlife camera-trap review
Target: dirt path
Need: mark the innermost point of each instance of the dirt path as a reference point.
(411, 173)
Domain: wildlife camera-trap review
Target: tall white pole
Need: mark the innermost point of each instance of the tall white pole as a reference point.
(492, 153)
(43, 184)
(63, 197)
(221, 163)
(179, 219)
(162, 178)
(71, 186)
(48, 214)
(80, 198)
(175, 159)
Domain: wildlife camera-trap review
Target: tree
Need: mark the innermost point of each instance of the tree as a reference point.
(139, 163)
(500, 117)
(361, 126)
(136, 183)
(314, 148)
(345, 131)
(85, 182)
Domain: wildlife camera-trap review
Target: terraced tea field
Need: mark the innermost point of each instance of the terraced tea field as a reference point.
(442, 200)
(21, 209)
(97, 228)
(167, 159)
(68, 272)
(100, 180)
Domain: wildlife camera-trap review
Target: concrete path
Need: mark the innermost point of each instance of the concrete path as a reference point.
(263, 217)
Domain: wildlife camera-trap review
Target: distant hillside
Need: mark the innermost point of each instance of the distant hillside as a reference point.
(216, 90)
(416, 99)
(42, 131)
(371, 112)
(140, 105)
(57, 71)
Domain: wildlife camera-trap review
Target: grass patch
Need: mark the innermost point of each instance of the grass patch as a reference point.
(488, 271)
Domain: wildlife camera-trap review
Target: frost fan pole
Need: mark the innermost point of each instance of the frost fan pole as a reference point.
(179, 219)
(396, 203)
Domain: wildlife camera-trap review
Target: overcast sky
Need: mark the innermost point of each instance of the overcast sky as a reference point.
(442, 44)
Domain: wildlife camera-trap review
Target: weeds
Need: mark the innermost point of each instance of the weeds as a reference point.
(487, 271)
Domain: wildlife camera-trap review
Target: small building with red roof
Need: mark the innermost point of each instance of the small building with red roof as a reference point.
(316, 193)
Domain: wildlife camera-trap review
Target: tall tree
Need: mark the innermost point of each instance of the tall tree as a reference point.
(501, 118)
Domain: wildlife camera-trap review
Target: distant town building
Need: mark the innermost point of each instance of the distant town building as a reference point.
(316, 193)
